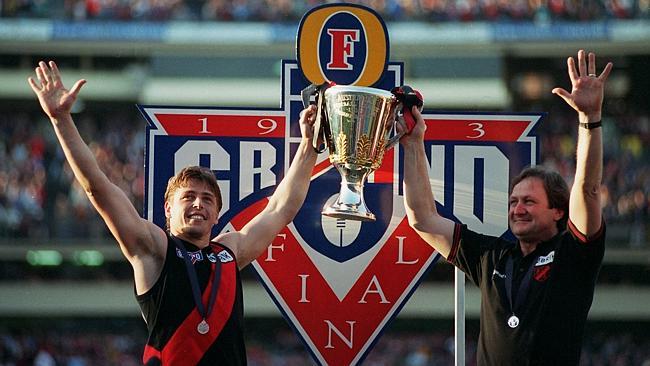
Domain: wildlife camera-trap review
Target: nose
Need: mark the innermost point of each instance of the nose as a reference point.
(518, 208)
(197, 202)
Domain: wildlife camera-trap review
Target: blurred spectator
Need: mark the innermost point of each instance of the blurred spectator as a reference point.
(39, 197)
(288, 10)
(283, 348)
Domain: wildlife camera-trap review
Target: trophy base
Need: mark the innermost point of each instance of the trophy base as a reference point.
(348, 214)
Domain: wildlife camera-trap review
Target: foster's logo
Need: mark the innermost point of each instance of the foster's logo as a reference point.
(347, 45)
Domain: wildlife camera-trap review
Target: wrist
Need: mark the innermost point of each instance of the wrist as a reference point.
(590, 125)
(60, 118)
(589, 118)
(306, 145)
(411, 144)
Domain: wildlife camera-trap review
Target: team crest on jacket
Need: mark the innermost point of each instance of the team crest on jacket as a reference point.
(339, 283)
(196, 256)
(225, 257)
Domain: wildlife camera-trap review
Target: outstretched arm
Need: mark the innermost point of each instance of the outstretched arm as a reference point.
(420, 204)
(283, 205)
(586, 97)
(139, 239)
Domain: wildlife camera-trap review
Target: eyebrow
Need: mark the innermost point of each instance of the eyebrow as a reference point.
(204, 193)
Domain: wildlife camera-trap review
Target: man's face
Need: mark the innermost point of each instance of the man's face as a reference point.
(530, 218)
(192, 211)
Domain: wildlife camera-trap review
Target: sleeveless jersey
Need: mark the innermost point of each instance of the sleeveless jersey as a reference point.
(172, 317)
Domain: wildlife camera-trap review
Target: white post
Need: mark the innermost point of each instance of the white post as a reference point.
(459, 317)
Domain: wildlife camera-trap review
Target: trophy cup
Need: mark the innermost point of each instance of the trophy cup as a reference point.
(356, 125)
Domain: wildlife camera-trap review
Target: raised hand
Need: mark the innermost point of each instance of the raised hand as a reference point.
(307, 119)
(587, 88)
(55, 99)
(416, 135)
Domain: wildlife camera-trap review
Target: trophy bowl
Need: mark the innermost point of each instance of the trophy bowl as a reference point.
(357, 125)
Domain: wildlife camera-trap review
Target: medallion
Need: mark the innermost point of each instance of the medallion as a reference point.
(513, 321)
(203, 327)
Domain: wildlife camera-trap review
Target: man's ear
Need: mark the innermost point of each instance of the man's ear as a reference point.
(216, 220)
(168, 209)
(558, 215)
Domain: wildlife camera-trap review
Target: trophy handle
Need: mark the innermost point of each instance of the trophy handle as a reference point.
(320, 131)
(395, 139)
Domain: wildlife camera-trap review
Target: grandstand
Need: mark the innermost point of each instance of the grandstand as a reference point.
(66, 296)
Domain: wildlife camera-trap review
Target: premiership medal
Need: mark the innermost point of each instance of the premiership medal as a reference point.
(513, 322)
(203, 327)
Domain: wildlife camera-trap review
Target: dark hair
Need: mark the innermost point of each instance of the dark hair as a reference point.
(198, 173)
(556, 189)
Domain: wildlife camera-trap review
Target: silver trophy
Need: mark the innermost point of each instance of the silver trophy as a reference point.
(355, 124)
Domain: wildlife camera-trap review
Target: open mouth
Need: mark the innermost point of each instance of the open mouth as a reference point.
(196, 217)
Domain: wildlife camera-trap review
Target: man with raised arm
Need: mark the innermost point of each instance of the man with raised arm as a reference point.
(535, 292)
(186, 283)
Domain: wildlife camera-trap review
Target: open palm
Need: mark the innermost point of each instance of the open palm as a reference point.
(587, 88)
(55, 99)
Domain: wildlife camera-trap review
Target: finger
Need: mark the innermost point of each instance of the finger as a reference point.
(35, 87)
(46, 71)
(562, 93)
(303, 114)
(571, 66)
(56, 75)
(417, 114)
(591, 66)
(307, 113)
(40, 76)
(603, 75)
(77, 87)
(582, 63)
(311, 113)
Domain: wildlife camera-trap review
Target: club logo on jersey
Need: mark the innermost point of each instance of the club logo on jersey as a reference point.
(211, 257)
(543, 260)
(342, 43)
(194, 256)
(225, 257)
(338, 283)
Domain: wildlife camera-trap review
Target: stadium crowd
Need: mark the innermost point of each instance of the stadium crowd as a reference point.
(626, 173)
(283, 348)
(38, 194)
(39, 198)
(288, 10)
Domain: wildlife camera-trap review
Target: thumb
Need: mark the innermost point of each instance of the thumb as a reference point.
(417, 114)
(561, 92)
(77, 87)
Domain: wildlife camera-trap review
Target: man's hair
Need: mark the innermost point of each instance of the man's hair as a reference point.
(197, 173)
(556, 189)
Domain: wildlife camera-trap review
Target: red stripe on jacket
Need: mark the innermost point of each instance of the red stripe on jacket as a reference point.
(187, 346)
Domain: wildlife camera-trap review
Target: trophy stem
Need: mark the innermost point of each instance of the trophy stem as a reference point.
(349, 204)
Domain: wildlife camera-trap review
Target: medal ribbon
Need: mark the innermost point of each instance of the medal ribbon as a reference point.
(523, 286)
(194, 282)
